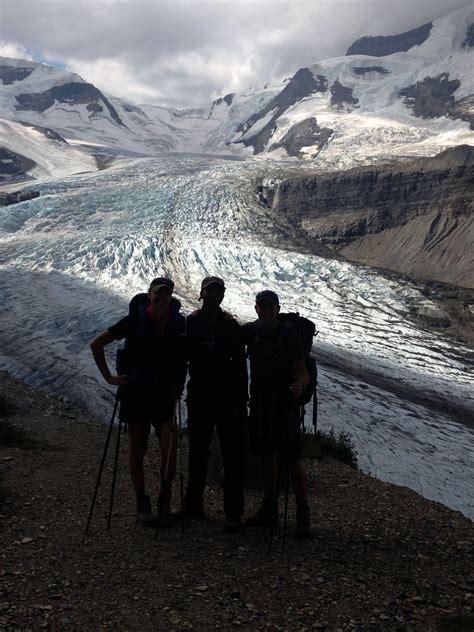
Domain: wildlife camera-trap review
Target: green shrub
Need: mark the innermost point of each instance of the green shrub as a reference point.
(327, 444)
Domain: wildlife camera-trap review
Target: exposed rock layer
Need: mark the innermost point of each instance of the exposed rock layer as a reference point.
(17, 196)
(417, 219)
(307, 133)
(302, 85)
(10, 74)
(382, 45)
(13, 165)
(434, 97)
(69, 93)
(361, 71)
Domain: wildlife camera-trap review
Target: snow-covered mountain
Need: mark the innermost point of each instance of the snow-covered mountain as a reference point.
(402, 95)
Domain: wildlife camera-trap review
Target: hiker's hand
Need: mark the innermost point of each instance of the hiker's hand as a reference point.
(118, 380)
(296, 389)
(176, 391)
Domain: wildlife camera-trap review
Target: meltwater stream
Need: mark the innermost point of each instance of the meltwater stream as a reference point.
(71, 259)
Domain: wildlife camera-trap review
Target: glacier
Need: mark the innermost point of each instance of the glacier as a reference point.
(71, 260)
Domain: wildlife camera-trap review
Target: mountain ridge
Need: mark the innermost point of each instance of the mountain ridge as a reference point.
(338, 113)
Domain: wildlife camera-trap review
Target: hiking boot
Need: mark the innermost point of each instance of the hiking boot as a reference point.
(266, 515)
(232, 524)
(303, 522)
(163, 510)
(145, 515)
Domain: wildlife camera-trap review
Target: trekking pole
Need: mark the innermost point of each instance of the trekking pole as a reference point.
(114, 477)
(106, 447)
(165, 477)
(274, 521)
(272, 526)
(180, 448)
(287, 483)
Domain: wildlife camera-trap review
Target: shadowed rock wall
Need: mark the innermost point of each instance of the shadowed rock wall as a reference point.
(416, 219)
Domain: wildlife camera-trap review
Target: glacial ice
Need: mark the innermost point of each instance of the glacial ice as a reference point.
(71, 259)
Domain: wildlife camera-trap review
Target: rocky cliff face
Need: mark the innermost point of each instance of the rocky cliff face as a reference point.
(72, 93)
(417, 219)
(13, 166)
(382, 45)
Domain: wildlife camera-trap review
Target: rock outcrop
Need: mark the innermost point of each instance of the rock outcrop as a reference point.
(302, 85)
(17, 196)
(417, 219)
(72, 93)
(306, 134)
(382, 45)
(469, 41)
(14, 166)
(434, 97)
(342, 95)
(10, 74)
(362, 71)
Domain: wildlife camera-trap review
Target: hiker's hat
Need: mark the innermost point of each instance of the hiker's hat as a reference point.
(160, 282)
(267, 295)
(212, 280)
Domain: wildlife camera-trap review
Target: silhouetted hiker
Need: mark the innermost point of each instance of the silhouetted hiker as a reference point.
(217, 394)
(150, 382)
(278, 376)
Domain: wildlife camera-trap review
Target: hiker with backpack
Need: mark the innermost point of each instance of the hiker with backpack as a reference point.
(151, 371)
(279, 380)
(217, 393)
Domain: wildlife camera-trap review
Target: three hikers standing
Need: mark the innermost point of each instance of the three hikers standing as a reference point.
(156, 355)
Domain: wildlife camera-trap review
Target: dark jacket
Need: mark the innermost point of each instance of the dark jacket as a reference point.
(216, 361)
(150, 355)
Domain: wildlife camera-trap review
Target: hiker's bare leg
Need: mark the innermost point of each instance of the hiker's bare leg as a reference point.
(299, 479)
(168, 445)
(269, 475)
(138, 445)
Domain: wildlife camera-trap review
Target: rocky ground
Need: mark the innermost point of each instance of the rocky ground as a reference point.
(382, 557)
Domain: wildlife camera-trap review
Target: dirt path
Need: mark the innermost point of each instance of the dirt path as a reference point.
(382, 557)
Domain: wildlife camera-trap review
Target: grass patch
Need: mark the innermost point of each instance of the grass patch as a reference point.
(460, 623)
(327, 444)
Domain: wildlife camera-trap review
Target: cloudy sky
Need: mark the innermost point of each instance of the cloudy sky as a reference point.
(186, 53)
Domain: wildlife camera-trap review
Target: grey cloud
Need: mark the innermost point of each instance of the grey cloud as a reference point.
(149, 36)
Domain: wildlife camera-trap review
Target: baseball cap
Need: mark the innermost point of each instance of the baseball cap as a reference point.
(267, 295)
(160, 282)
(212, 280)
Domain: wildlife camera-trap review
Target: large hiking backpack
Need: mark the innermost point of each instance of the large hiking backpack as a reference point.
(136, 310)
(306, 331)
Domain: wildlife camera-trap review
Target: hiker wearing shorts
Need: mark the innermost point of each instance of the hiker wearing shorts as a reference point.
(150, 380)
(278, 377)
(217, 393)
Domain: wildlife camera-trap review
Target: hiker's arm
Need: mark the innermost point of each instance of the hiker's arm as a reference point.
(97, 348)
(301, 378)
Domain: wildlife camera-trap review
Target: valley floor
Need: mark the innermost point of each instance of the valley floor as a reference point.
(382, 557)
